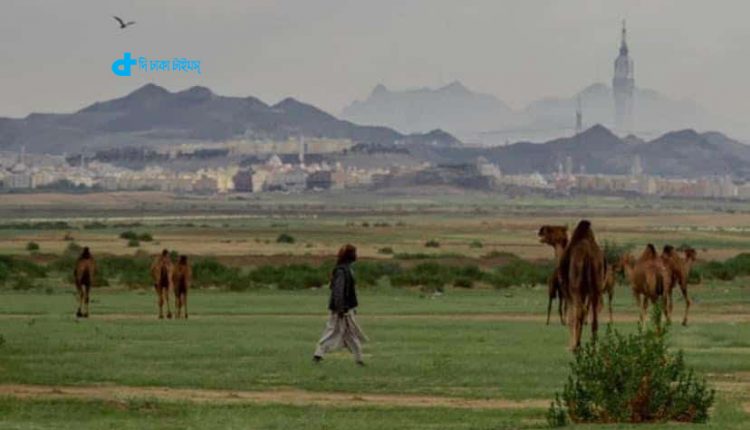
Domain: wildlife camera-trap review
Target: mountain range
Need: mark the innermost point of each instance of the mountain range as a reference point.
(151, 115)
(685, 153)
(483, 118)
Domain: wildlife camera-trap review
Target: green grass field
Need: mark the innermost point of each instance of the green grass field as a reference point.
(476, 345)
(477, 358)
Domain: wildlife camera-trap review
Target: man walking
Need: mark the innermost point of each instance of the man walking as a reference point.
(342, 329)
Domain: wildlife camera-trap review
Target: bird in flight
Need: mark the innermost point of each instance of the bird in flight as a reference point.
(123, 24)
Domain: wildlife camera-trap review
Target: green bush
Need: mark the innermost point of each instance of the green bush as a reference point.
(134, 243)
(73, 249)
(631, 379)
(614, 251)
(520, 272)
(19, 272)
(130, 235)
(32, 246)
(285, 238)
(210, 273)
(463, 283)
(386, 250)
(476, 244)
(432, 243)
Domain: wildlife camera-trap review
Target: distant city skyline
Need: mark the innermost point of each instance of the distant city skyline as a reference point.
(57, 55)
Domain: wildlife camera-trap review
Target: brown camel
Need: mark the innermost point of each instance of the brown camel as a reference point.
(582, 275)
(84, 279)
(161, 271)
(182, 276)
(555, 236)
(679, 269)
(649, 279)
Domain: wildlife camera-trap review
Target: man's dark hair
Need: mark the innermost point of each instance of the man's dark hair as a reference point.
(347, 254)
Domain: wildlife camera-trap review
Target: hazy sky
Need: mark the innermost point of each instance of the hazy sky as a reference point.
(56, 55)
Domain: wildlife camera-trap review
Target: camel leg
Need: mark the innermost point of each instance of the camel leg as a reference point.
(160, 298)
(576, 316)
(184, 304)
(667, 303)
(79, 289)
(609, 305)
(177, 306)
(683, 290)
(549, 309)
(595, 316)
(86, 293)
(561, 307)
(644, 310)
(166, 298)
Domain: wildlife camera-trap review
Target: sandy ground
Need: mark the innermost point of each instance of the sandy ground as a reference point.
(286, 396)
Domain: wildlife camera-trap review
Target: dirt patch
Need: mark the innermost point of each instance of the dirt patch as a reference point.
(286, 396)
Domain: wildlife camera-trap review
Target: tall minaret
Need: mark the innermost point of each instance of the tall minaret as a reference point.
(623, 86)
(579, 116)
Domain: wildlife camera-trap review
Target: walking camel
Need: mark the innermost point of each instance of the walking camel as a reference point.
(649, 278)
(83, 274)
(182, 276)
(582, 274)
(679, 269)
(555, 236)
(161, 273)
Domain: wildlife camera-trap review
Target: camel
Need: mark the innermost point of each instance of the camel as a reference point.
(649, 278)
(161, 271)
(679, 269)
(557, 237)
(84, 279)
(582, 274)
(182, 276)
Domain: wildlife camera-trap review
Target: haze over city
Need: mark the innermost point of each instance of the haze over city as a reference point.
(329, 53)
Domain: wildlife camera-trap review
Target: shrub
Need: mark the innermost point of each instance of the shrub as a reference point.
(631, 378)
(32, 246)
(476, 244)
(432, 243)
(131, 235)
(386, 250)
(613, 251)
(463, 283)
(134, 243)
(73, 249)
(209, 272)
(520, 272)
(365, 224)
(20, 272)
(285, 238)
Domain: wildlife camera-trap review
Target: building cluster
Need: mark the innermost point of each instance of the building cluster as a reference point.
(290, 173)
(25, 172)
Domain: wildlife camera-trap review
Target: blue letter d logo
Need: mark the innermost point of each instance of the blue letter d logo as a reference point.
(122, 67)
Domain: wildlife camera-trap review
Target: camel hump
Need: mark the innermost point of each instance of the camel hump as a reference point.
(668, 249)
(583, 231)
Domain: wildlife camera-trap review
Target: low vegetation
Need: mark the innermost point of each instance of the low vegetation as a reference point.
(133, 236)
(285, 238)
(631, 378)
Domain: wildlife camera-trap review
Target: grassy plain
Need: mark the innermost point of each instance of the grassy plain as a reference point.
(468, 358)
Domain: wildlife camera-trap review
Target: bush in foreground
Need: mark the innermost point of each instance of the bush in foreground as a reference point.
(285, 238)
(631, 379)
(32, 246)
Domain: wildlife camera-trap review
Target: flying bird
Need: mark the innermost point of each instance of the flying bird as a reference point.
(123, 24)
